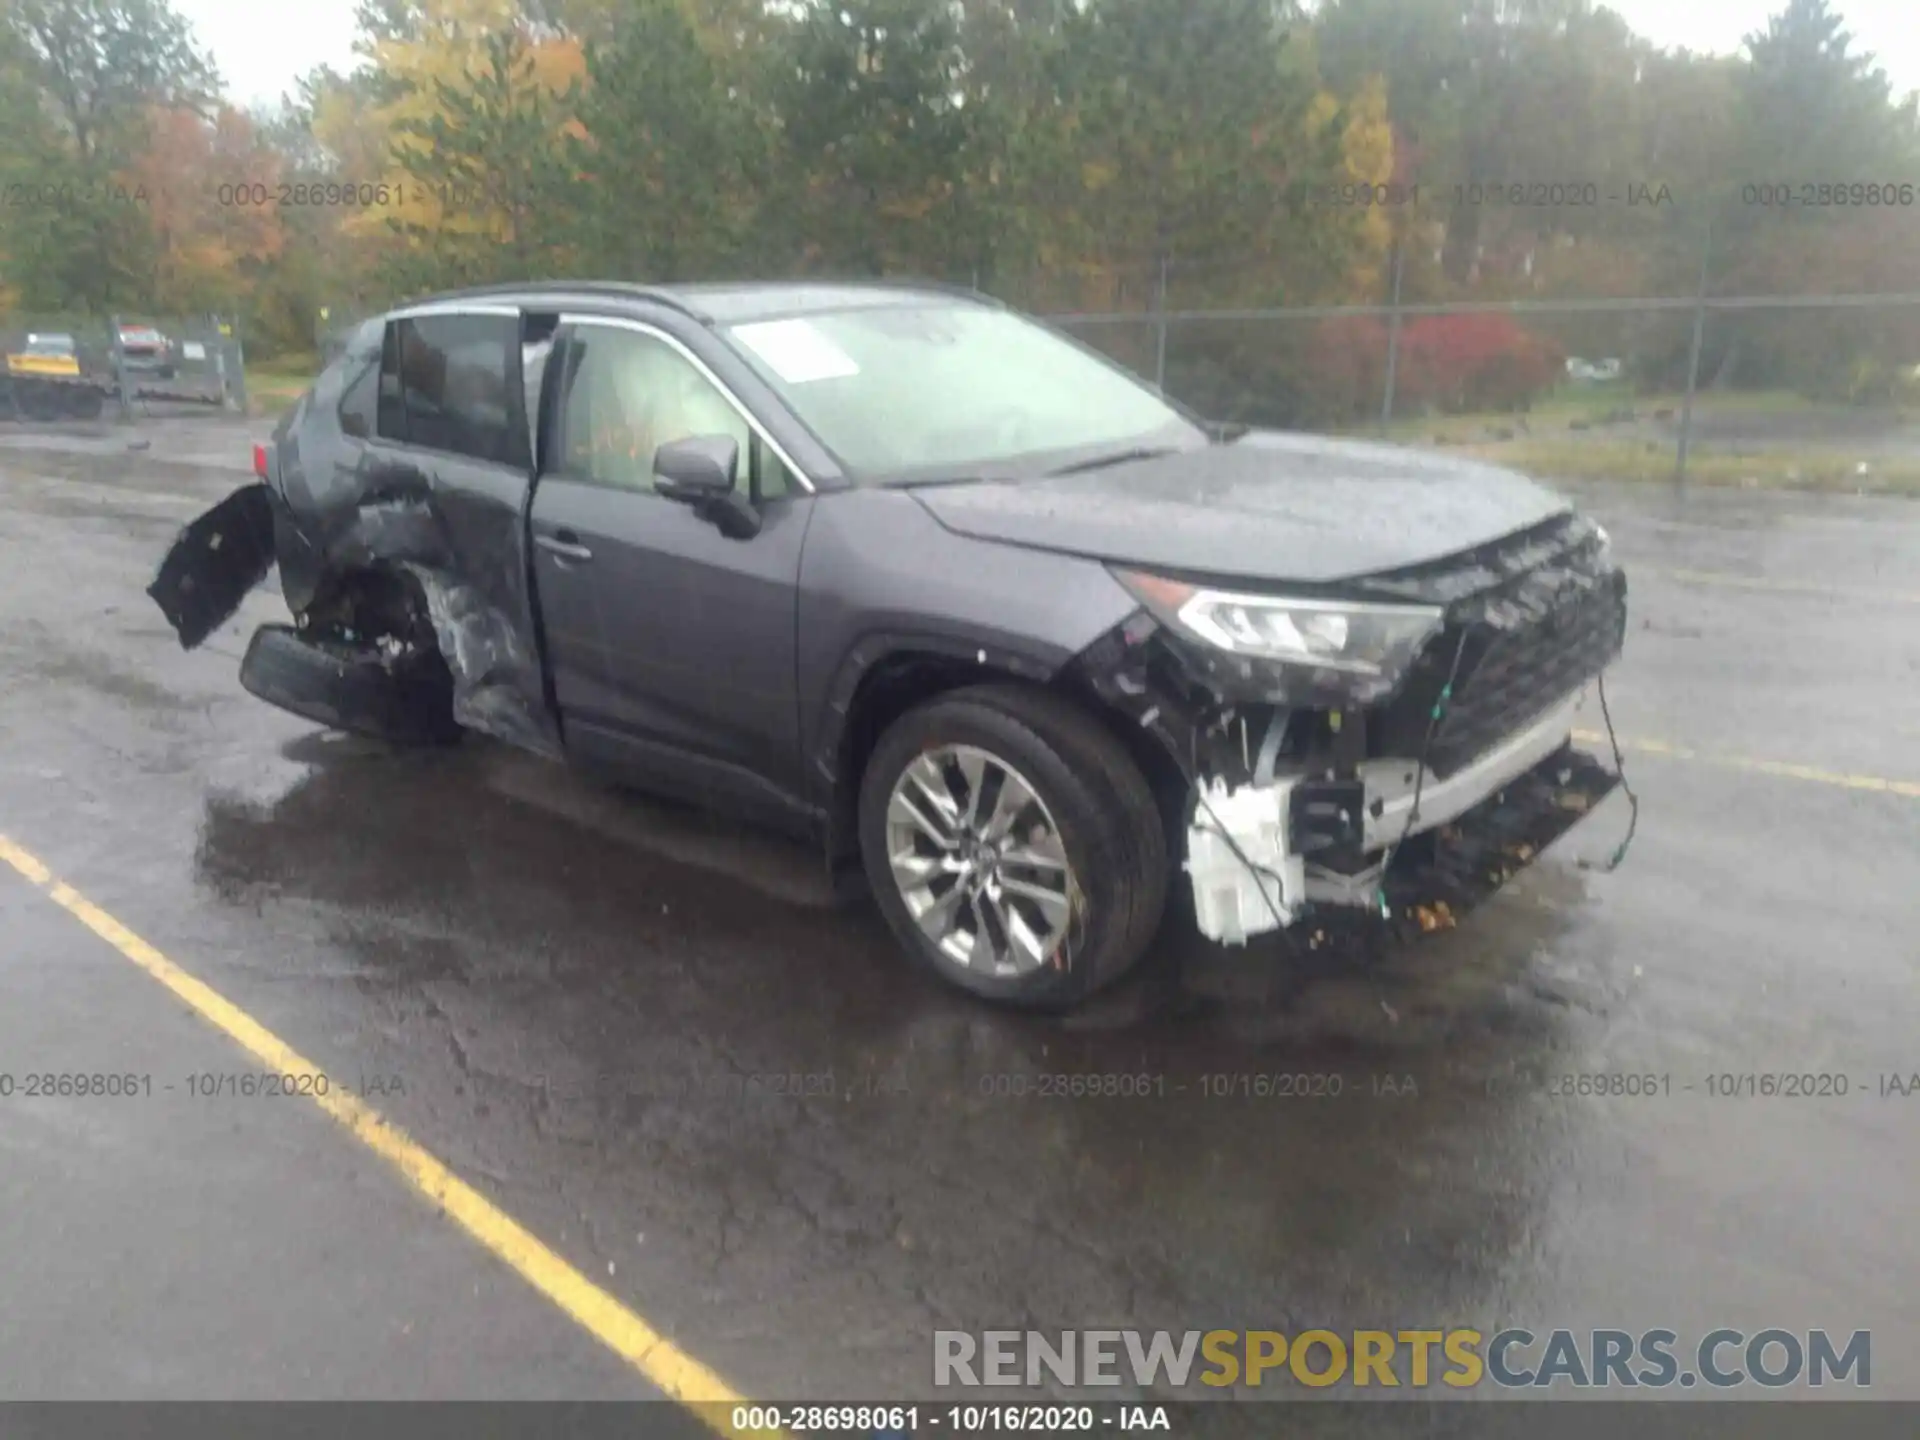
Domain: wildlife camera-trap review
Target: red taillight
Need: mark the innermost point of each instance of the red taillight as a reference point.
(260, 461)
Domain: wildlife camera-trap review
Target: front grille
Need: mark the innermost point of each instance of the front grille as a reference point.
(1529, 642)
(1521, 672)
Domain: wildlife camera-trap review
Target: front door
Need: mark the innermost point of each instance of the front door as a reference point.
(671, 646)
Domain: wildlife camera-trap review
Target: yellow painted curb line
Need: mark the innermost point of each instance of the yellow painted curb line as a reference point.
(1908, 788)
(663, 1363)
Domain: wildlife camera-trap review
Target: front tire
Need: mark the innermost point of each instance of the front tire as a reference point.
(1013, 845)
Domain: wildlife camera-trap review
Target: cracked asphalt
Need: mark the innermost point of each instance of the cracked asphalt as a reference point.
(712, 1087)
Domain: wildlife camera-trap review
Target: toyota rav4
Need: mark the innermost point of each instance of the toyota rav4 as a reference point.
(924, 581)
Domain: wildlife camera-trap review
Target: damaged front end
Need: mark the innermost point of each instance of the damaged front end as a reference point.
(411, 608)
(1387, 755)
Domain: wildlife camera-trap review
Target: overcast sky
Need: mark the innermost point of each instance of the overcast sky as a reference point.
(262, 51)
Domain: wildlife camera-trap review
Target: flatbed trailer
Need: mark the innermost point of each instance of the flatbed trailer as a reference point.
(49, 387)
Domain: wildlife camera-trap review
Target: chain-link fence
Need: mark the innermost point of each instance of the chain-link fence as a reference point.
(65, 366)
(1759, 389)
(1796, 389)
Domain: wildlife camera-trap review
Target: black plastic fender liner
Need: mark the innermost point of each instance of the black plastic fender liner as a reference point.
(214, 562)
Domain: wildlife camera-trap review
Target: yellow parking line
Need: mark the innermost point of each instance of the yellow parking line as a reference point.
(662, 1362)
(1908, 788)
(1790, 587)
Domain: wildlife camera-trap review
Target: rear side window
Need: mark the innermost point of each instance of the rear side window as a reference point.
(360, 380)
(449, 382)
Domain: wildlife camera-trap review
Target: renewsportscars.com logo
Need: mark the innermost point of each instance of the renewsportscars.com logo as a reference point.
(1458, 1358)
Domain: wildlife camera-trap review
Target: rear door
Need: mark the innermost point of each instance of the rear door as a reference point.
(452, 453)
(670, 645)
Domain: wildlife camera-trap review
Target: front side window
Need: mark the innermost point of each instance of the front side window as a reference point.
(628, 393)
(931, 387)
(447, 383)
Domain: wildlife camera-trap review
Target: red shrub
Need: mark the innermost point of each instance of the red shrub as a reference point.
(1475, 362)
(1349, 366)
(1447, 362)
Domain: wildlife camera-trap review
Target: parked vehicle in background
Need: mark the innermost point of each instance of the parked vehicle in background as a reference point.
(51, 343)
(146, 351)
(905, 572)
(1593, 371)
(44, 380)
(46, 353)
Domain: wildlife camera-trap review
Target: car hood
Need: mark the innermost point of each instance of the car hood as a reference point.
(1268, 506)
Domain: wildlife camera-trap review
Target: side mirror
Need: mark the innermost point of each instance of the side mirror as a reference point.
(699, 468)
(698, 471)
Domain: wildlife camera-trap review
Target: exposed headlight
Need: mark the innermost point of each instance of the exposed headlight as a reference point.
(1352, 637)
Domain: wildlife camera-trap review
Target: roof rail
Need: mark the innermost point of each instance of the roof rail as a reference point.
(896, 282)
(675, 298)
(535, 289)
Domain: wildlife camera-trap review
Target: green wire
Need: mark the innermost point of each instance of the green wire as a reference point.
(1433, 719)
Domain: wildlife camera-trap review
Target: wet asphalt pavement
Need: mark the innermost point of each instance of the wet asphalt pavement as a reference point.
(589, 1007)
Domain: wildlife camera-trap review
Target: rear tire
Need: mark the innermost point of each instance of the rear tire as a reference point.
(405, 700)
(1088, 792)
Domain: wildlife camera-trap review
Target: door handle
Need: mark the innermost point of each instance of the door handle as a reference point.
(565, 544)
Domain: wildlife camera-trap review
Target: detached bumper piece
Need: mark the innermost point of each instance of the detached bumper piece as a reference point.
(405, 698)
(1441, 875)
(1262, 881)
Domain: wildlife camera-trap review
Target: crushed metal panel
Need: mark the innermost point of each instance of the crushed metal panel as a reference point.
(497, 676)
(465, 549)
(371, 517)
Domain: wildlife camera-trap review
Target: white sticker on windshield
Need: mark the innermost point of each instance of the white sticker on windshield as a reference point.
(798, 351)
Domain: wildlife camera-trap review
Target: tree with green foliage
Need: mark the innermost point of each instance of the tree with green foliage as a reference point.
(671, 153)
(1199, 146)
(877, 145)
(77, 79)
(1811, 111)
(484, 163)
(101, 62)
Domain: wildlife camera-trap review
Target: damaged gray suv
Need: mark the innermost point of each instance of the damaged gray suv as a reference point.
(915, 577)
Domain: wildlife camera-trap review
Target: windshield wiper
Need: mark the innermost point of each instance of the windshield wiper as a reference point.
(1118, 457)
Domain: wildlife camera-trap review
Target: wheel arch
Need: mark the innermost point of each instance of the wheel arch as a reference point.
(882, 678)
(889, 675)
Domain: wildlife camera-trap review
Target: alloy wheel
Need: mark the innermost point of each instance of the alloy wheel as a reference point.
(979, 861)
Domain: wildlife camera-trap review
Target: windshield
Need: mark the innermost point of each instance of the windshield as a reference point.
(901, 392)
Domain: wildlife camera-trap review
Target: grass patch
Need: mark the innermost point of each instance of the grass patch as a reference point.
(273, 385)
(1592, 404)
(293, 362)
(1769, 470)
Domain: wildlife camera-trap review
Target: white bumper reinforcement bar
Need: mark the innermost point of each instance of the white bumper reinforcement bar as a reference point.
(1245, 878)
